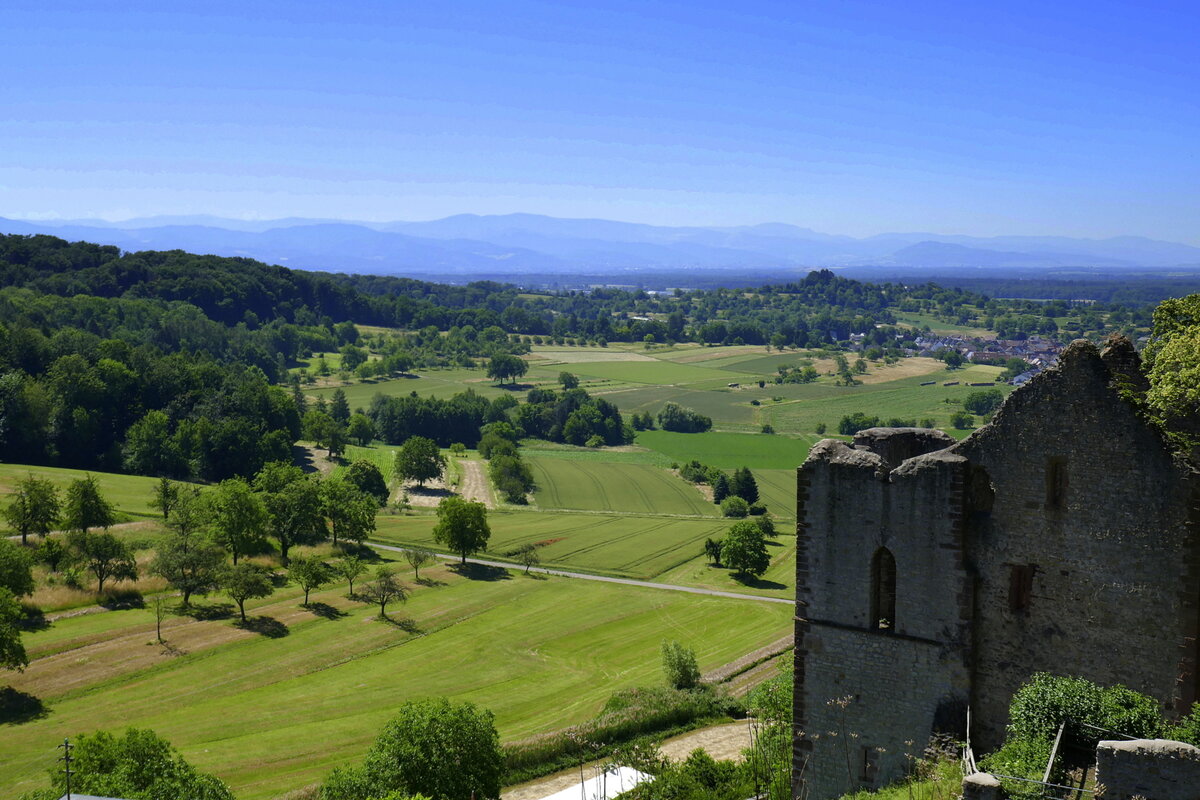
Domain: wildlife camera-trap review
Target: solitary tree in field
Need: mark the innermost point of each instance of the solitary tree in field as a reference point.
(244, 582)
(383, 590)
(309, 573)
(506, 365)
(745, 549)
(106, 557)
(349, 567)
(462, 526)
(86, 507)
(420, 460)
(418, 557)
(369, 479)
(239, 519)
(528, 554)
(34, 507)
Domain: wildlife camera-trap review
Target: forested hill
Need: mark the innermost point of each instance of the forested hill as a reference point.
(104, 353)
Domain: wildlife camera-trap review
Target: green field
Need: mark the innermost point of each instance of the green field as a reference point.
(130, 494)
(601, 486)
(269, 715)
(626, 546)
(730, 450)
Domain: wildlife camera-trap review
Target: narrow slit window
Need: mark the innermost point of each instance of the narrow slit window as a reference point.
(1020, 587)
(1056, 483)
(883, 591)
(870, 766)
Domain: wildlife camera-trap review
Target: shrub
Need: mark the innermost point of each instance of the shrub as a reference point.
(962, 420)
(674, 417)
(767, 429)
(679, 666)
(820, 429)
(735, 507)
(858, 421)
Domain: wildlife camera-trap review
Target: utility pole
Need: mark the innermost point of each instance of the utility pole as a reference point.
(66, 759)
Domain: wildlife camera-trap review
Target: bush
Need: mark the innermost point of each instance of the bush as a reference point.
(767, 429)
(735, 507)
(627, 715)
(679, 666)
(674, 417)
(820, 429)
(757, 509)
(858, 421)
(984, 402)
(962, 420)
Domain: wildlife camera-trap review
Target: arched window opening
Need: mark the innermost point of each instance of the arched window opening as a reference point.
(883, 591)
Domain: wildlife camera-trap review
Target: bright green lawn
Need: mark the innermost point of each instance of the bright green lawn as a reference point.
(609, 544)
(730, 450)
(269, 715)
(600, 486)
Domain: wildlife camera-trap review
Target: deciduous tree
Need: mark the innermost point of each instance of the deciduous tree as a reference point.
(238, 516)
(244, 582)
(105, 556)
(187, 558)
(383, 589)
(309, 573)
(369, 480)
(34, 507)
(745, 549)
(12, 651)
(351, 513)
(418, 557)
(420, 460)
(349, 567)
(16, 568)
(86, 507)
(462, 526)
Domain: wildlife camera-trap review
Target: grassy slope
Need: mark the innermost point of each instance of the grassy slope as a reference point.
(544, 653)
(130, 494)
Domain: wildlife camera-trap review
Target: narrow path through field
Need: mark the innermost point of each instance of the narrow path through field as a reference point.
(474, 485)
(601, 578)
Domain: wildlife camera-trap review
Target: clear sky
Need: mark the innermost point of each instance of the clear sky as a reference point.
(1064, 117)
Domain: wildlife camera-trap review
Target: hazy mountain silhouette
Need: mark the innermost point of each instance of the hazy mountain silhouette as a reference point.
(512, 244)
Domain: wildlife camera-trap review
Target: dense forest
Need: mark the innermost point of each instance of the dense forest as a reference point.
(177, 364)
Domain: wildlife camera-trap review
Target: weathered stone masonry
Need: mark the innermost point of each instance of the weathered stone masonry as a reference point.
(931, 575)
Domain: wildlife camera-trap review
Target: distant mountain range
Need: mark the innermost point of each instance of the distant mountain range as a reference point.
(516, 244)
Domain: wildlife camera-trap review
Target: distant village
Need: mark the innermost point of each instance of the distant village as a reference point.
(1040, 353)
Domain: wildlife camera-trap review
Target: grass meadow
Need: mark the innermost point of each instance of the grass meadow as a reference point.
(275, 712)
(602, 486)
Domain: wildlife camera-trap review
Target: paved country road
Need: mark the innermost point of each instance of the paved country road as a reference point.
(586, 577)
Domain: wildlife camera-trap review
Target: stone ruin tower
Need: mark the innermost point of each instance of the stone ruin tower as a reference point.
(933, 576)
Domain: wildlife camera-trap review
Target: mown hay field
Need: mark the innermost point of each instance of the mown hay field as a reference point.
(602, 486)
(272, 713)
(620, 545)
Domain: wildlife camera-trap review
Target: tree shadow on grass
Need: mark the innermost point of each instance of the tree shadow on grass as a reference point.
(33, 618)
(17, 707)
(405, 624)
(482, 572)
(535, 576)
(773, 543)
(121, 599)
(264, 626)
(326, 611)
(758, 583)
(169, 649)
(430, 582)
(212, 611)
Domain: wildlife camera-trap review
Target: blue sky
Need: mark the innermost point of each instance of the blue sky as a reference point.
(848, 117)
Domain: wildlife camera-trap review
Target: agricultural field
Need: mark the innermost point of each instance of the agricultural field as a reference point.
(618, 545)
(599, 486)
(318, 684)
